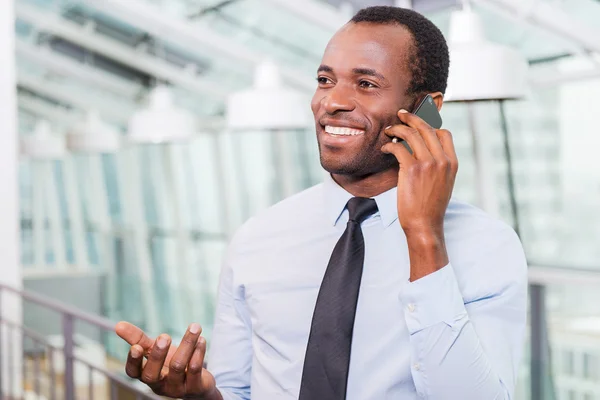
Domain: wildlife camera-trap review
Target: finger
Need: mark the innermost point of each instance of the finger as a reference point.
(426, 131)
(413, 138)
(401, 153)
(133, 335)
(181, 358)
(193, 379)
(447, 143)
(135, 358)
(151, 373)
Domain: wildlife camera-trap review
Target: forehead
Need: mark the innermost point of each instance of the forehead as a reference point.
(385, 48)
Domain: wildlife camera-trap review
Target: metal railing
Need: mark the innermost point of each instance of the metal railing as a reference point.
(540, 387)
(55, 390)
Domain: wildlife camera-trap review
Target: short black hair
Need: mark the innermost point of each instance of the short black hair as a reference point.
(430, 61)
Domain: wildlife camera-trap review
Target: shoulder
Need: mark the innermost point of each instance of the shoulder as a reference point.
(465, 221)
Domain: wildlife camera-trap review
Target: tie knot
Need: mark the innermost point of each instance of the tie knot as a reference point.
(360, 208)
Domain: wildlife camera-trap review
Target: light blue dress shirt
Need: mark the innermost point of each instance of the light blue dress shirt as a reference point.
(456, 334)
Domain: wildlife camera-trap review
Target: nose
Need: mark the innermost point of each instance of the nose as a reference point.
(338, 99)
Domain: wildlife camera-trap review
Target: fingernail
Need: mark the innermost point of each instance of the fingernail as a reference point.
(202, 340)
(194, 328)
(388, 127)
(403, 111)
(135, 352)
(162, 342)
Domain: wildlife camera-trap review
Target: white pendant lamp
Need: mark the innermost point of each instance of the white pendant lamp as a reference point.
(43, 144)
(268, 105)
(92, 135)
(481, 70)
(162, 121)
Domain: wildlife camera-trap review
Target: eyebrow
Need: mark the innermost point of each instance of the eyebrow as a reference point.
(369, 72)
(355, 71)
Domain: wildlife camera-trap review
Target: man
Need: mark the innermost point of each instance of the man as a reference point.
(374, 284)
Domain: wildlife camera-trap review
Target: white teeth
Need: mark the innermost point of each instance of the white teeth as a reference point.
(336, 130)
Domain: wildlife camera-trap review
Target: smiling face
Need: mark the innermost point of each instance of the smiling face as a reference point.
(363, 82)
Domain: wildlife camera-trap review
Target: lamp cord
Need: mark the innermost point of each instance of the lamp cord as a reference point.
(509, 171)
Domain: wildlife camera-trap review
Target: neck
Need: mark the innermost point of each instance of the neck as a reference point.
(369, 185)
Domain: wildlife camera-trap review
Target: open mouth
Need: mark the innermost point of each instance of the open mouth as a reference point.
(343, 131)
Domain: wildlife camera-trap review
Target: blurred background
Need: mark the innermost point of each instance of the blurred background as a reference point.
(150, 130)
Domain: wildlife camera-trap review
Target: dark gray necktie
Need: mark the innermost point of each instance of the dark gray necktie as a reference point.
(325, 373)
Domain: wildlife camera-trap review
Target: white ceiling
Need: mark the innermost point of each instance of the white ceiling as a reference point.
(104, 54)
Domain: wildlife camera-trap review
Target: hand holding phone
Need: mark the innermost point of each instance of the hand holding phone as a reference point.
(427, 164)
(428, 112)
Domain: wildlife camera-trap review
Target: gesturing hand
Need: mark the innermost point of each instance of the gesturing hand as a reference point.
(425, 183)
(169, 370)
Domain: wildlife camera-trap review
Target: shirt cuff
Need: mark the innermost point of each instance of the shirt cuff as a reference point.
(432, 299)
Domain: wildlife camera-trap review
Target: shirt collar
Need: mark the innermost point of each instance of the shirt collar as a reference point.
(336, 198)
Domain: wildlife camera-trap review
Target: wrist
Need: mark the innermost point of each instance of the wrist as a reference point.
(427, 252)
(426, 235)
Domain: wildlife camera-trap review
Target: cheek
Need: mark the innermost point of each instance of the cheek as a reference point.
(382, 111)
(381, 121)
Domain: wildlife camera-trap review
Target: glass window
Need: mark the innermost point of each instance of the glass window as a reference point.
(569, 362)
(589, 366)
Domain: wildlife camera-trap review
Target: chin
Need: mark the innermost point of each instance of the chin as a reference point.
(355, 168)
(335, 166)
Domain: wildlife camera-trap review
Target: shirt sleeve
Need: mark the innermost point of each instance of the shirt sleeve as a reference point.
(469, 349)
(230, 355)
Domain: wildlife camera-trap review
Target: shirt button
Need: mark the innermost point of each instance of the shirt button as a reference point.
(411, 307)
(417, 367)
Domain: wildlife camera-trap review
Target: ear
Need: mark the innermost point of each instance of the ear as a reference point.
(438, 98)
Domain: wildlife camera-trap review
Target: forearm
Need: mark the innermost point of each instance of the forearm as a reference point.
(230, 357)
(450, 363)
(451, 355)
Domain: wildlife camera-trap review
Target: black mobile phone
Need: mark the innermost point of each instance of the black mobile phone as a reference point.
(428, 112)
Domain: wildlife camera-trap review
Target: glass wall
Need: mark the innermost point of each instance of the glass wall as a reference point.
(155, 219)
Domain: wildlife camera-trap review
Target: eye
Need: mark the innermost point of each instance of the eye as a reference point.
(323, 80)
(366, 85)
